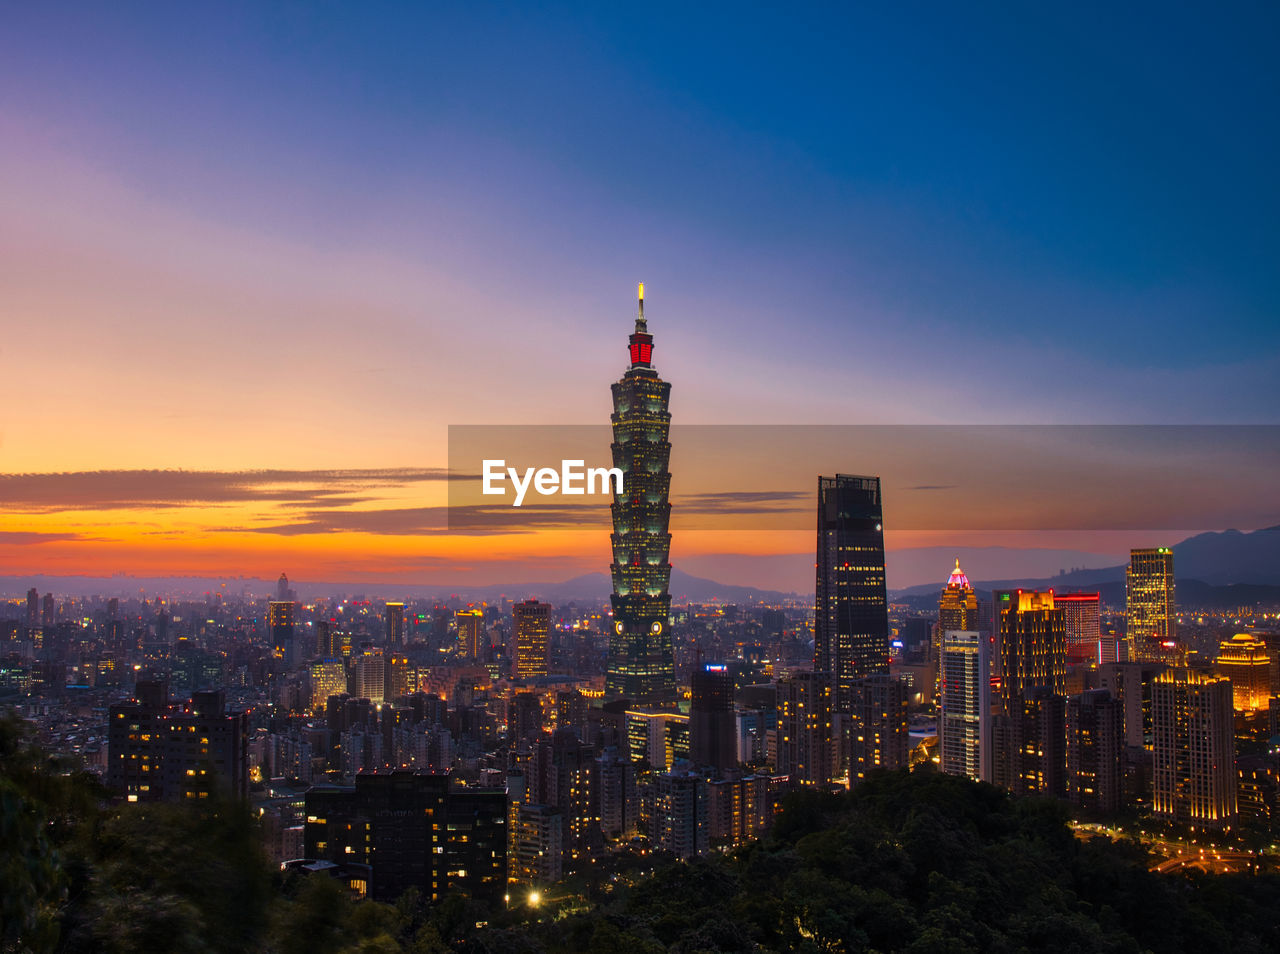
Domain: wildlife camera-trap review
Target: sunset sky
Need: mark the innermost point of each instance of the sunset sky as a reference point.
(255, 259)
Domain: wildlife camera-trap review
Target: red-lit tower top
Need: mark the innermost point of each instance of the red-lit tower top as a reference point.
(641, 341)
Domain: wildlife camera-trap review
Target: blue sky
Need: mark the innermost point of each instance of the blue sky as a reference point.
(280, 222)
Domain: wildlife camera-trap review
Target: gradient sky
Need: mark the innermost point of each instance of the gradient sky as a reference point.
(306, 238)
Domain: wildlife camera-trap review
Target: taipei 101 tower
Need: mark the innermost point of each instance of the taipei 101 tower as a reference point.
(641, 665)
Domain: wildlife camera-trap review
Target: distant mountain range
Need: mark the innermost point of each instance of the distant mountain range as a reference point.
(588, 587)
(1212, 571)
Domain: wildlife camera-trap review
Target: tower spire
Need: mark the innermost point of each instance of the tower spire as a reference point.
(641, 342)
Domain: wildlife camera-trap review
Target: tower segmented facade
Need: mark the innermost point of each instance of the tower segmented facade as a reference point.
(641, 662)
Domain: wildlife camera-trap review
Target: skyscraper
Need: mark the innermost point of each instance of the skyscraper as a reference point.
(712, 727)
(1032, 646)
(532, 633)
(851, 615)
(641, 661)
(1082, 617)
(394, 623)
(1150, 605)
(471, 642)
(280, 622)
(1195, 768)
(957, 609)
(964, 667)
(1030, 678)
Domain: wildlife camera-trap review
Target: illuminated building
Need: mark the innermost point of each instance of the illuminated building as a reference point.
(1032, 646)
(806, 743)
(537, 844)
(1082, 619)
(957, 609)
(562, 775)
(1031, 666)
(158, 751)
(712, 726)
(413, 832)
(1095, 752)
(740, 810)
(393, 620)
(401, 676)
(471, 636)
(1194, 767)
(1150, 606)
(878, 736)
(532, 633)
(328, 678)
(280, 623)
(965, 694)
(369, 678)
(657, 738)
(1245, 661)
(851, 612)
(641, 661)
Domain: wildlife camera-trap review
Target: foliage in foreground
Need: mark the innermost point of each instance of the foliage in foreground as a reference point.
(919, 863)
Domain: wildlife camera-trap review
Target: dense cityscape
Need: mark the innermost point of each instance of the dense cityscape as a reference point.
(501, 751)
(898, 572)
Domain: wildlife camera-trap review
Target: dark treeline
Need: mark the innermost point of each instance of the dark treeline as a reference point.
(921, 863)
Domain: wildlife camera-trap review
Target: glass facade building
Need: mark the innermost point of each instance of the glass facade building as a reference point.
(851, 615)
(641, 661)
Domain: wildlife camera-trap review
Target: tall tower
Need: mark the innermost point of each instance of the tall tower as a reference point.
(641, 661)
(851, 618)
(957, 613)
(1149, 604)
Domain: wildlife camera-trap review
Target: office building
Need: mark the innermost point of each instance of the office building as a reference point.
(1194, 752)
(851, 620)
(328, 678)
(1082, 620)
(472, 641)
(532, 637)
(957, 608)
(369, 675)
(712, 723)
(393, 624)
(1244, 660)
(280, 614)
(1150, 606)
(641, 660)
(966, 703)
